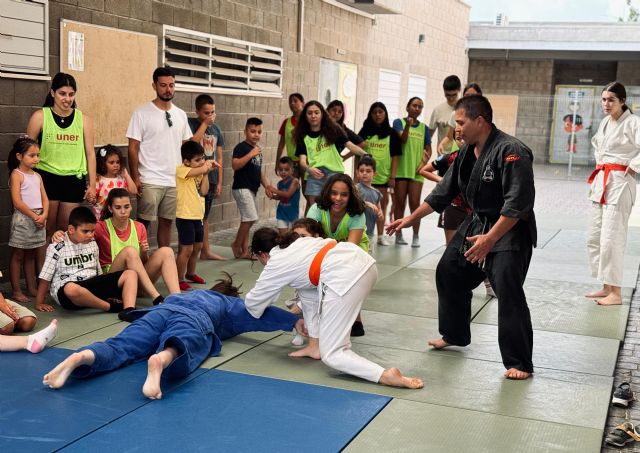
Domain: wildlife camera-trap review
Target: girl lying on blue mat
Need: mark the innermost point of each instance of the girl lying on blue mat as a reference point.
(176, 337)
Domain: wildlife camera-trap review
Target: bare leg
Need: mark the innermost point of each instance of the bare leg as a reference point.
(184, 252)
(311, 199)
(163, 262)
(15, 269)
(604, 292)
(384, 201)
(128, 281)
(57, 377)
(10, 343)
(240, 244)
(129, 258)
(311, 350)
(246, 254)
(52, 219)
(516, 374)
(64, 210)
(30, 271)
(400, 202)
(394, 378)
(438, 343)
(155, 366)
(164, 232)
(414, 191)
(613, 298)
(207, 253)
(193, 259)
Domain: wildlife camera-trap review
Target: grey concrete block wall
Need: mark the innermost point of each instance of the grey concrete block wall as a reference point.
(389, 42)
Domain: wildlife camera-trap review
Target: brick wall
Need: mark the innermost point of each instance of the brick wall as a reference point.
(390, 42)
(532, 81)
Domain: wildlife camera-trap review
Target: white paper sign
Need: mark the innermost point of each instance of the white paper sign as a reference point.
(76, 51)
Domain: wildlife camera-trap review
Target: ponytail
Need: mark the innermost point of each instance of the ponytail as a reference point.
(225, 286)
(264, 239)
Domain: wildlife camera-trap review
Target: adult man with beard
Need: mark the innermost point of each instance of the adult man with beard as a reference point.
(494, 174)
(156, 131)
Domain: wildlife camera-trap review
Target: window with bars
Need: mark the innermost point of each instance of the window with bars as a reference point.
(210, 63)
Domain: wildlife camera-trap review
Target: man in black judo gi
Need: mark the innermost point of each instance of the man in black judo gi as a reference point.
(494, 173)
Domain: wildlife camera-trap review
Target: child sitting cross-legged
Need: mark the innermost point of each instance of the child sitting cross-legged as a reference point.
(72, 272)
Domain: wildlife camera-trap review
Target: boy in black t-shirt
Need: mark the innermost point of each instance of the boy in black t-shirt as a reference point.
(247, 178)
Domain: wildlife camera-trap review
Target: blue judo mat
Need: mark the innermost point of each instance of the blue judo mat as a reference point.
(212, 410)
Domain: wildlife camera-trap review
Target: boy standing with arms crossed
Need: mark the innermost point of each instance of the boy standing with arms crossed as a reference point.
(210, 137)
(247, 178)
(192, 184)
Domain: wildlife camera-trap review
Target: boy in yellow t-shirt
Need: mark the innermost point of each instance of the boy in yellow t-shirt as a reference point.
(191, 187)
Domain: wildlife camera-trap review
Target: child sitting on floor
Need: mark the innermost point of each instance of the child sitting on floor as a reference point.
(73, 274)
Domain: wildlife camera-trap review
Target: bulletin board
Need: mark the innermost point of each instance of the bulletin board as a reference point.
(505, 112)
(113, 70)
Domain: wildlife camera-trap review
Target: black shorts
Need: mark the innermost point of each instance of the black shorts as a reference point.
(103, 286)
(67, 189)
(189, 231)
(452, 217)
(381, 186)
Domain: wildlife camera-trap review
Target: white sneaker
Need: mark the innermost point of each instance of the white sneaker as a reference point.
(415, 242)
(400, 240)
(382, 240)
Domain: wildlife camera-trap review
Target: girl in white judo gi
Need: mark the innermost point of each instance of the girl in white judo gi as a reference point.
(333, 280)
(613, 192)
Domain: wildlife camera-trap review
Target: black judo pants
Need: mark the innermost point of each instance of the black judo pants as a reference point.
(455, 280)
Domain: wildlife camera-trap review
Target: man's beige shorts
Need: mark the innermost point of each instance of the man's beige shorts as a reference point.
(157, 201)
(22, 312)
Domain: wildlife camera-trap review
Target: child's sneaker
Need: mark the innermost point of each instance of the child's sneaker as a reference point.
(184, 286)
(400, 240)
(622, 395)
(415, 242)
(195, 278)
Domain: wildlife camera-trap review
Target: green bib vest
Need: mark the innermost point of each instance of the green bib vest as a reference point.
(342, 232)
(118, 244)
(412, 153)
(322, 154)
(62, 151)
(289, 140)
(380, 150)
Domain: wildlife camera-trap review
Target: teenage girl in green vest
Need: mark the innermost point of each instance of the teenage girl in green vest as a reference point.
(123, 245)
(340, 210)
(383, 144)
(66, 151)
(416, 152)
(287, 140)
(319, 141)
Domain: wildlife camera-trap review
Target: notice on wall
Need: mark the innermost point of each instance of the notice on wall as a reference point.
(75, 58)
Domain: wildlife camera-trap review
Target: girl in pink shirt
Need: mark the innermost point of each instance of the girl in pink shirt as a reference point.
(111, 175)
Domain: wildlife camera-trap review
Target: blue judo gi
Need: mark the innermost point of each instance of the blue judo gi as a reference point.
(194, 323)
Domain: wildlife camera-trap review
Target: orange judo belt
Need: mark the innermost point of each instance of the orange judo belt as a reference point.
(607, 168)
(316, 264)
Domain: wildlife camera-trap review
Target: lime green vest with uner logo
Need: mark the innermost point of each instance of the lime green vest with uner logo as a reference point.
(118, 244)
(322, 154)
(62, 152)
(380, 150)
(342, 232)
(289, 139)
(412, 152)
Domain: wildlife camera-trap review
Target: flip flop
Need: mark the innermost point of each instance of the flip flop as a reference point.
(622, 435)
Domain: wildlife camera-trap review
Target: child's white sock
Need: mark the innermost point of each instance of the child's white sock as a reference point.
(298, 340)
(37, 341)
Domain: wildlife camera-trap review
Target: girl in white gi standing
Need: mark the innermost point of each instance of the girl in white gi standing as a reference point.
(342, 279)
(613, 192)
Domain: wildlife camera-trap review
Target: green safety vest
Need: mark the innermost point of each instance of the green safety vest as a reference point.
(342, 232)
(380, 150)
(62, 152)
(118, 244)
(412, 153)
(322, 154)
(289, 139)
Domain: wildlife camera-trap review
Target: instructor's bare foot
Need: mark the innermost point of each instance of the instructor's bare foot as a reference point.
(151, 387)
(516, 374)
(595, 294)
(438, 344)
(20, 297)
(57, 377)
(211, 256)
(308, 351)
(611, 299)
(394, 378)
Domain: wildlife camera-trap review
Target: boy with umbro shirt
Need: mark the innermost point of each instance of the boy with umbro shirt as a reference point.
(72, 272)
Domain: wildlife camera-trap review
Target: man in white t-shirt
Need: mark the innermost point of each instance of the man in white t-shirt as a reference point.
(442, 113)
(156, 131)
